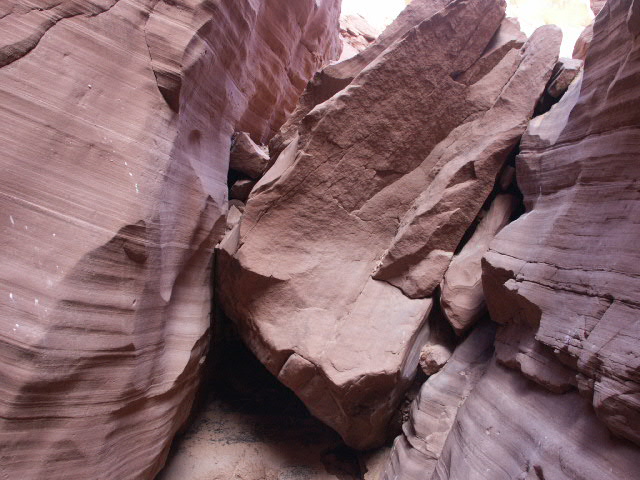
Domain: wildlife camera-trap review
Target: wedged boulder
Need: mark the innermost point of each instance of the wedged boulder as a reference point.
(568, 271)
(509, 428)
(461, 297)
(115, 127)
(241, 189)
(564, 74)
(247, 157)
(433, 413)
(296, 275)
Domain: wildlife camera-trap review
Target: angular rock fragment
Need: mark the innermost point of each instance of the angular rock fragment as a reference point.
(296, 275)
(356, 35)
(115, 129)
(336, 77)
(462, 298)
(564, 74)
(241, 189)
(568, 270)
(247, 157)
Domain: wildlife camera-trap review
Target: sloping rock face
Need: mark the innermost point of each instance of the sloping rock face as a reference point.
(335, 77)
(402, 160)
(563, 279)
(115, 120)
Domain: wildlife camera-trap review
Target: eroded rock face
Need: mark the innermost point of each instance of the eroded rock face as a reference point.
(433, 413)
(440, 111)
(565, 275)
(511, 429)
(115, 122)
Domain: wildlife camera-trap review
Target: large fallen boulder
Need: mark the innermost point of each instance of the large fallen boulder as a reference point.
(565, 278)
(432, 119)
(115, 123)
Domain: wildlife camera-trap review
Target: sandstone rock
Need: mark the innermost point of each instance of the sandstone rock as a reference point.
(241, 189)
(582, 44)
(115, 126)
(597, 6)
(247, 157)
(462, 299)
(462, 170)
(564, 74)
(336, 77)
(356, 35)
(297, 275)
(416, 452)
(569, 268)
(433, 357)
(510, 429)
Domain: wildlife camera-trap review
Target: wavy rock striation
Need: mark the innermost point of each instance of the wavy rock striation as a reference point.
(115, 121)
(564, 278)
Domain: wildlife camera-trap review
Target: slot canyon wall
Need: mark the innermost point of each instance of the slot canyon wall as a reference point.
(116, 119)
(436, 253)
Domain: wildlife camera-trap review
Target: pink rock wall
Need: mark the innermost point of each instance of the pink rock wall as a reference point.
(115, 121)
(564, 279)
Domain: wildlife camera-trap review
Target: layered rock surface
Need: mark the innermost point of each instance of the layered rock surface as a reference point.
(563, 279)
(509, 429)
(391, 169)
(115, 120)
(433, 414)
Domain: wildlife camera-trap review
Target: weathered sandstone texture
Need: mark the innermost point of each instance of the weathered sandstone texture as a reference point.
(115, 124)
(433, 413)
(326, 274)
(509, 428)
(564, 279)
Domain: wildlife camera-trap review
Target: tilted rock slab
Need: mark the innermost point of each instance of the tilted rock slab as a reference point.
(115, 122)
(334, 78)
(296, 276)
(568, 271)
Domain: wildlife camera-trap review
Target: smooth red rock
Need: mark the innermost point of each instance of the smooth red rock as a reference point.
(115, 122)
(568, 271)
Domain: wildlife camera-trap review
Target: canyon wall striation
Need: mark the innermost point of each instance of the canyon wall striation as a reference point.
(116, 119)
